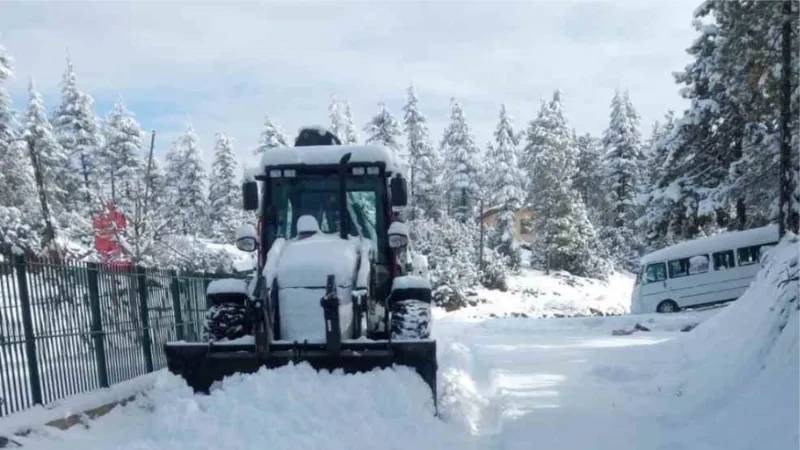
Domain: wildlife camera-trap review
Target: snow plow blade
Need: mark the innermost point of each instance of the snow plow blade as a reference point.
(201, 364)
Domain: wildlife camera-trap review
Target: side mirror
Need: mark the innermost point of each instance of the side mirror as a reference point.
(246, 238)
(398, 235)
(399, 190)
(250, 195)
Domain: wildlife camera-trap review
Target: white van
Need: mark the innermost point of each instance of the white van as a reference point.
(700, 272)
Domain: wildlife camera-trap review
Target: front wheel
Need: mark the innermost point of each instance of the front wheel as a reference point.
(226, 321)
(411, 319)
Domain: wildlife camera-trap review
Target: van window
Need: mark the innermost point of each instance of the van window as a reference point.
(749, 255)
(655, 273)
(724, 260)
(688, 266)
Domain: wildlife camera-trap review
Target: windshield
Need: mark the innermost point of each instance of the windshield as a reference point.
(318, 196)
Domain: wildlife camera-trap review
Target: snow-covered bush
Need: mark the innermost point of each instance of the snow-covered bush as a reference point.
(451, 249)
(496, 267)
(20, 229)
(192, 254)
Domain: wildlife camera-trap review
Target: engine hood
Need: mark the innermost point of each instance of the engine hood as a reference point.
(306, 263)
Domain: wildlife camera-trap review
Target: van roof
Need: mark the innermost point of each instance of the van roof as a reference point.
(705, 245)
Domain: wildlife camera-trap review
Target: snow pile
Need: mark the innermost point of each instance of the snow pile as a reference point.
(534, 294)
(752, 339)
(292, 407)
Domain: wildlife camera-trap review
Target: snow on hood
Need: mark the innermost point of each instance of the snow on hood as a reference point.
(308, 262)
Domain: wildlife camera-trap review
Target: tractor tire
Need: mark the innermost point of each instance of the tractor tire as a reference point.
(226, 321)
(411, 319)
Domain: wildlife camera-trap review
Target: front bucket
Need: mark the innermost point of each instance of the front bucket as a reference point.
(201, 364)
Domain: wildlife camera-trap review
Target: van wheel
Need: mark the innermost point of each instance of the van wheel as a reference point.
(667, 306)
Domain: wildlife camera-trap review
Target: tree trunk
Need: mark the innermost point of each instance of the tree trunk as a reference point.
(49, 232)
(787, 215)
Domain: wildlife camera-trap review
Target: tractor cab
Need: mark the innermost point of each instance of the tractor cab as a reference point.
(335, 190)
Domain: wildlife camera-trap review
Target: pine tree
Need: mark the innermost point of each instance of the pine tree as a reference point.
(350, 133)
(337, 119)
(590, 175)
(120, 163)
(224, 197)
(16, 173)
(272, 136)
(658, 208)
(504, 181)
(462, 165)
(623, 160)
(186, 181)
(78, 134)
(565, 238)
(49, 162)
(384, 130)
(425, 182)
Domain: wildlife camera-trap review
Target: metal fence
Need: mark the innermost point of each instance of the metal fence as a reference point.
(72, 327)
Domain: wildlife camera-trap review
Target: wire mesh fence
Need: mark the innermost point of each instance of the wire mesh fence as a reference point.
(71, 327)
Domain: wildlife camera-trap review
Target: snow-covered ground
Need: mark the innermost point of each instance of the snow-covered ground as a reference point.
(534, 294)
(730, 383)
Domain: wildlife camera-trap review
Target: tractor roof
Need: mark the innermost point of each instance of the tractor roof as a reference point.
(320, 155)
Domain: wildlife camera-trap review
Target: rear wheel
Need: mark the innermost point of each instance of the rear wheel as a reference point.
(667, 306)
(411, 319)
(226, 321)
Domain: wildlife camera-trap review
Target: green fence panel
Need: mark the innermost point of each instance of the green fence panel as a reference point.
(68, 327)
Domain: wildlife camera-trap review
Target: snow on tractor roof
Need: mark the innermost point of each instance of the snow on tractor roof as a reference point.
(730, 240)
(328, 154)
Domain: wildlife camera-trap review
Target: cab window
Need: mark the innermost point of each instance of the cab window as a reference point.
(655, 273)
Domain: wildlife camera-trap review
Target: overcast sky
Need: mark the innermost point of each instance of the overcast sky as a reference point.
(224, 66)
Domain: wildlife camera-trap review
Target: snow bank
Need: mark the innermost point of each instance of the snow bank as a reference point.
(733, 347)
(36, 417)
(733, 382)
(534, 294)
(293, 407)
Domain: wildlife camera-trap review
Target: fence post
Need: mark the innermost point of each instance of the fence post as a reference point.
(175, 291)
(141, 277)
(97, 325)
(27, 326)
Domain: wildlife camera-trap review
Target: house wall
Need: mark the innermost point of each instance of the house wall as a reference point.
(519, 215)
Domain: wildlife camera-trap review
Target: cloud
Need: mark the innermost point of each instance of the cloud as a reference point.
(224, 66)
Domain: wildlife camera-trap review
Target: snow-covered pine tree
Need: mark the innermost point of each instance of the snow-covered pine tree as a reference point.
(18, 205)
(350, 132)
(462, 165)
(588, 179)
(337, 119)
(186, 184)
(383, 129)
(565, 239)
(49, 162)
(653, 227)
(504, 180)
(119, 163)
(425, 164)
(16, 173)
(272, 136)
(78, 133)
(623, 154)
(224, 196)
(623, 162)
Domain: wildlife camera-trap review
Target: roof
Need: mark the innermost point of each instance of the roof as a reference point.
(328, 154)
(728, 240)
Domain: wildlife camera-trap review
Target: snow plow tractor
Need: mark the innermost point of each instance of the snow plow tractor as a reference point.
(335, 284)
